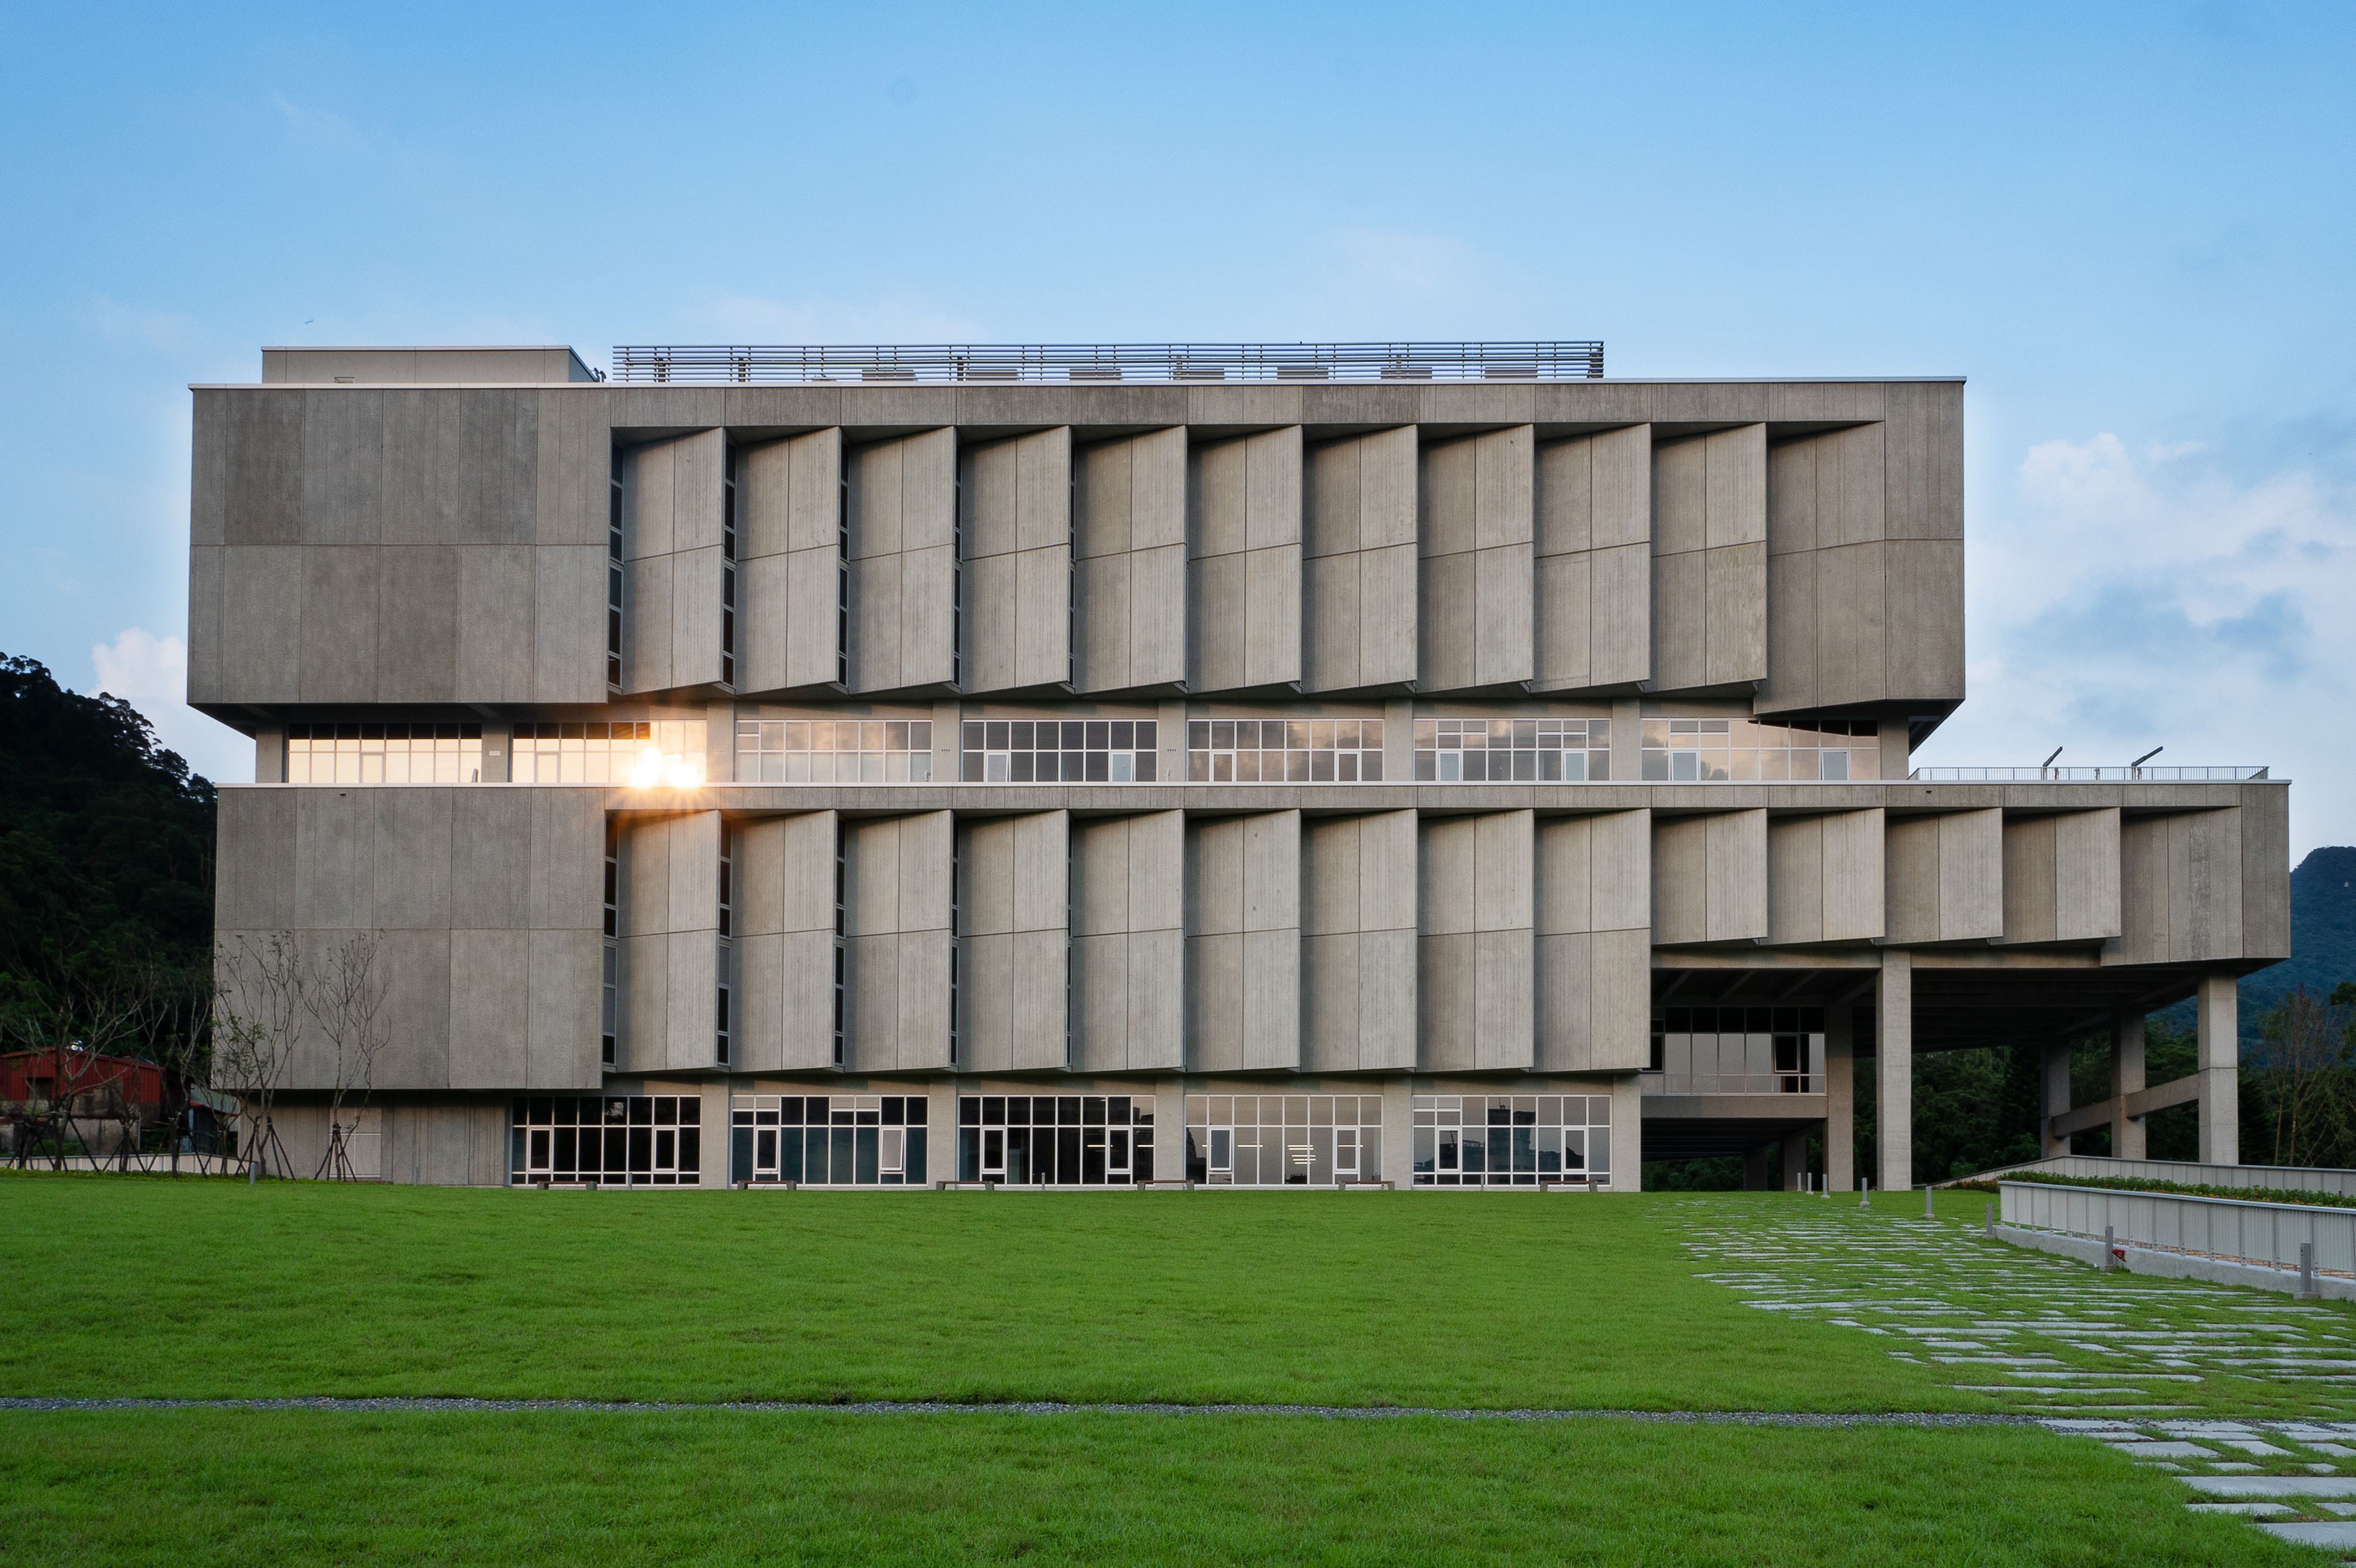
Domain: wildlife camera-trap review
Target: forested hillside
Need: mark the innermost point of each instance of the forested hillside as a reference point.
(106, 840)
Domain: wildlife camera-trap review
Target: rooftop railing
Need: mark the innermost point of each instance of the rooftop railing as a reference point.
(2085, 775)
(1101, 363)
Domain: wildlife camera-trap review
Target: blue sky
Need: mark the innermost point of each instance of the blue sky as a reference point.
(2129, 226)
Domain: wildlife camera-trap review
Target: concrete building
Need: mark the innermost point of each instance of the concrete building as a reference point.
(1437, 763)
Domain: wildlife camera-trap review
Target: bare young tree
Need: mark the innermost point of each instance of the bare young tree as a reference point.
(2309, 1038)
(344, 996)
(258, 1011)
(73, 1024)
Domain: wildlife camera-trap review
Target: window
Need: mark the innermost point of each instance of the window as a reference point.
(843, 581)
(384, 753)
(957, 950)
(1056, 1140)
(1284, 751)
(1284, 1140)
(841, 945)
(956, 572)
(728, 575)
(724, 967)
(1738, 1050)
(839, 751)
(1501, 751)
(610, 958)
(613, 1140)
(1512, 1140)
(613, 580)
(621, 752)
(1049, 751)
(829, 1140)
(1742, 750)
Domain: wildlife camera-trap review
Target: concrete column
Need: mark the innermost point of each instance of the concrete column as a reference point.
(941, 1131)
(1627, 740)
(2221, 1055)
(1399, 1126)
(270, 755)
(2126, 1076)
(498, 747)
(1893, 1055)
(1398, 741)
(1840, 1099)
(2053, 1098)
(1627, 1133)
(1758, 1167)
(949, 750)
(1795, 1159)
(1169, 735)
(1169, 1129)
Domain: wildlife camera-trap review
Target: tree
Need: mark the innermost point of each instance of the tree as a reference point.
(344, 996)
(2304, 1078)
(259, 1006)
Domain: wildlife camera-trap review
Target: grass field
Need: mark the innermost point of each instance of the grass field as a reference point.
(144, 1287)
(1416, 1299)
(184, 1488)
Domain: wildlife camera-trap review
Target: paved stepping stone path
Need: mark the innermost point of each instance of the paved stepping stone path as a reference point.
(2247, 1397)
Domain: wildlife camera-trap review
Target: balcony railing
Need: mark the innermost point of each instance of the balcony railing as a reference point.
(1103, 363)
(2086, 775)
(1732, 1083)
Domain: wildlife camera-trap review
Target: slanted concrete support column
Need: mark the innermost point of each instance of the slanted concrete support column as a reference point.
(1893, 1055)
(2221, 1056)
(2126, 1078)
(1795, 1159)
(1840, 1099)
(2055, 1097)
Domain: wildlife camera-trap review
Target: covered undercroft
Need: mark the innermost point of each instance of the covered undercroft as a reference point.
(1754, 1052)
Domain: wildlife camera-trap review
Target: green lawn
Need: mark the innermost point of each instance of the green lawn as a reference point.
(115, 1286)
(190, 1487)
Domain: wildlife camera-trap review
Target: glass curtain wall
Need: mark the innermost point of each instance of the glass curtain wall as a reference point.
(1059, 1140)
(1284, 1140)
(1512, 1140)
(612, 1139)
(829, 1140)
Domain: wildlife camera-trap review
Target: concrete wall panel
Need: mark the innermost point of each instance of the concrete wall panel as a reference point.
(1016, 498)
(1242, 942)
(1709, 878)
(1130, 501)
(1592, 625)
(1945, 877)
(790, 505)
(1244, 573)
(1476, 959)
(1709, 559)
(1359, 553)
(1476, 523)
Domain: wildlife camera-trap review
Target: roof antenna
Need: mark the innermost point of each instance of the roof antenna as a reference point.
(2049, 761)
(2146, 757)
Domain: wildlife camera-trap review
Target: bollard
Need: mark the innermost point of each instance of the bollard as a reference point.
(1926, 1202)
(2307, 1290)
(1864, 1190)
(2110, 1247)
(1990, 1224)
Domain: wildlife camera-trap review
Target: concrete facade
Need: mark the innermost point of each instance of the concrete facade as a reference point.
(1094, 743)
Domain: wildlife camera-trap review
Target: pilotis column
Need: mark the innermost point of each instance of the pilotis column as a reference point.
(2126, 1078)
(2221, 1055)
(2054, 1100)
(1893, 1055)
(1840, 1099)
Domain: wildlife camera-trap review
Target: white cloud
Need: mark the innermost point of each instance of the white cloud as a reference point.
(2124, 599)
(150, 673)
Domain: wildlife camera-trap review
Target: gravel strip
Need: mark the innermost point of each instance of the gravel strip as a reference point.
(932, 1407)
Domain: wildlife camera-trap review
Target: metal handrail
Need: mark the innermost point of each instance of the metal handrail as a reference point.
(2190, 774)
(1101, 363)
